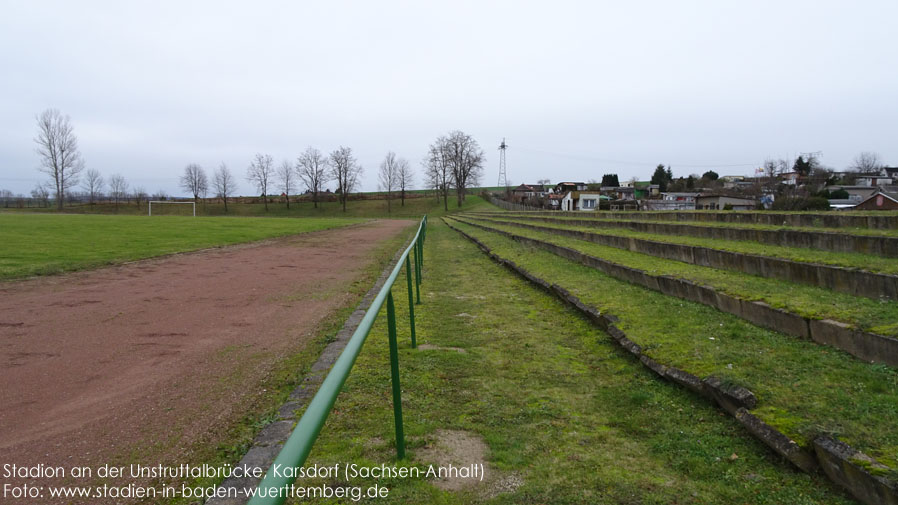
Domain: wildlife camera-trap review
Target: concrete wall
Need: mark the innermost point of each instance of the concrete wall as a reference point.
(839, 461)
(826, 220)
(844, 280)
(826, 241)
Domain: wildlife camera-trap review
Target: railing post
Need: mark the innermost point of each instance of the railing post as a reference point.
(411, 300)
(417, 277)
(394, 373)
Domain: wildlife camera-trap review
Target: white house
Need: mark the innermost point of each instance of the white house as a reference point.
(581, 200)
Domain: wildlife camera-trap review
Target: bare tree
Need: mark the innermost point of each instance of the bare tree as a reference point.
(118, 188)
(437, 170)
(194, 181)
(160, 195)
(57, 147)
(93, 185)
(312, 168)
(866, 163)
(388, 177)
(346, 171)
(140, 195)
(6, 196)
(465, 161)
(42, 194)
(287, 179)
(259, 173)
(406, 178)
(224, 184)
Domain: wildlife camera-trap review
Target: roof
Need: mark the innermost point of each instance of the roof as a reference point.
(724, 195)
(891, 196)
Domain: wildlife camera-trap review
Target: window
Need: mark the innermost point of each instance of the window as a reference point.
(589, 203)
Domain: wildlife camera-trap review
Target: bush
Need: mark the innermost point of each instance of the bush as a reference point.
(812, 203)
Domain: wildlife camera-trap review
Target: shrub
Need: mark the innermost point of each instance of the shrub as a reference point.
(799, 203)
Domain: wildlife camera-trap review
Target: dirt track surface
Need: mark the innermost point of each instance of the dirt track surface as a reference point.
(154, 354)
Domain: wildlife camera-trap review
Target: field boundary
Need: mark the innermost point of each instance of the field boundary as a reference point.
(867, 346)
(844, 465)
(824, 240)
(853, 282)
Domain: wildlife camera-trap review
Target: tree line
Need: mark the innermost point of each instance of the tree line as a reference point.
(454, 162)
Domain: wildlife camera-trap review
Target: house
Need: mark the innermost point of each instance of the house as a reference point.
(671, 201)
(879, 201)
(619, 193)
(554, 201)
(526, 191)
(679, 197)
(856, 194)
(666, 205)
(790, 178)
(563, 187)
(582, 200)
(873, 180)
(717, 201)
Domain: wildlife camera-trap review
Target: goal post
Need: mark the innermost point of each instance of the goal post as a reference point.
(160, 202)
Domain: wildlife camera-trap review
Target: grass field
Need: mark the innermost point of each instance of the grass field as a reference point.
(803, 389)
(565, 415)
(40, 244)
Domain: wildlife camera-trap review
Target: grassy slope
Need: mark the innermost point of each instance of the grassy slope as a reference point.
(38, 244)
(802, 388)
(818, 303)
(712, 224)
(849, 260)
(414, 207)
(555, 401)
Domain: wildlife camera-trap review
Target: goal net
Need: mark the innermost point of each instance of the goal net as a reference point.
(165, 208)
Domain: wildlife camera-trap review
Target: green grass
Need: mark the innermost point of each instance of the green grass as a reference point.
(710, 224)
(858, 261)
(803, 389)
(576, 419)
(878, 316)
(368, 208)
(41, 244)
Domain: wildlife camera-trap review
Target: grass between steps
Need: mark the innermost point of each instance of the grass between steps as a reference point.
(803, 389)
(858, 261)
(562, 409)
(714, 224)
(877, 316)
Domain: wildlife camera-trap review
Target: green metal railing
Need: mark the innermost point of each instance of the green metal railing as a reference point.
(296, 449)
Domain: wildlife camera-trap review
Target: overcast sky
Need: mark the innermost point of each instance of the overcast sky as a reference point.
(579, 89)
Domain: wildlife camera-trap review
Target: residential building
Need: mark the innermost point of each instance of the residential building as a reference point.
(582, 200)
(528, 191)
(880, 200)
(563, 187)
(716, 201)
